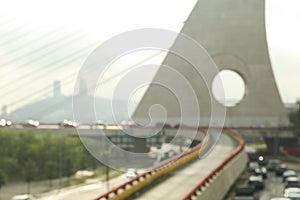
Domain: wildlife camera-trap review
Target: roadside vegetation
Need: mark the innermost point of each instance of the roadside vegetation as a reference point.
(26, 156)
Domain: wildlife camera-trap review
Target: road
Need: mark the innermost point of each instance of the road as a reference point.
(274, 187)
(184, 179)
(88, 191)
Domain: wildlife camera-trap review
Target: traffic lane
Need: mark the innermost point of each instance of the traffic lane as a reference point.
(184, 179)
(274, 187)
(89, 191)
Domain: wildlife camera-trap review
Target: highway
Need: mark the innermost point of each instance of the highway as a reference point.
(184, 179)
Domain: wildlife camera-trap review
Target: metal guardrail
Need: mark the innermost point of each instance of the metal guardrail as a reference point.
(195, 191)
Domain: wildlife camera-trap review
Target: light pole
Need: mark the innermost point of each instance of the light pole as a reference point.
(60, 163)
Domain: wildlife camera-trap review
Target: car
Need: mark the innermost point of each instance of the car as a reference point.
(292, 182)
(280, 169)
(244, 193)
(127, 123)
(257, 172)
(252, 166)
(264, 172)
(131, 173)
(287, 174)
(23, 197)
(8, 123)
(252, 157)
(100, 123)
(68, 124)
(32, 123)
(4, 122)
(257, 182)
(292, 193)
(272, 165)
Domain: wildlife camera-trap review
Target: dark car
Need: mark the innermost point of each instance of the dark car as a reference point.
(292, 182)
(252, 157)
(272, 165)
(245, 193)
(279, 170)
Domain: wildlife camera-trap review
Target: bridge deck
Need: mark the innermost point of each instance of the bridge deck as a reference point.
(183, 180)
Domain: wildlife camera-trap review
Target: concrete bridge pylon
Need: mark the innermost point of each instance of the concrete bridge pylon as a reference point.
(234, 34)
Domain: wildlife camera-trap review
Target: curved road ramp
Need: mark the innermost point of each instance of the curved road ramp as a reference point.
(188, 177)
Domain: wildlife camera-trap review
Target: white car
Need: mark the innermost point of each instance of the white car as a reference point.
(287, 174)
(131, 173)
(292, 193)
(23, 197)
(32, 123)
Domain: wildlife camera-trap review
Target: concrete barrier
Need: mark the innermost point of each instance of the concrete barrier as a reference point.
(216, 184)
(222, 181)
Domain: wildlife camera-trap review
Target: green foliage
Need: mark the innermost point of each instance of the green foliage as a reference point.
(26, 156)
(29, 170)
(2, 179)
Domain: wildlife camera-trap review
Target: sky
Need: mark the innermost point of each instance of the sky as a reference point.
(43, 41)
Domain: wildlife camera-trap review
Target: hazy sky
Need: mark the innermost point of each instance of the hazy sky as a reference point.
(43, 41)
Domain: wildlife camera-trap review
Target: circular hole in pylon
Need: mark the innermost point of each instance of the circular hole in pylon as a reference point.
(233, 85)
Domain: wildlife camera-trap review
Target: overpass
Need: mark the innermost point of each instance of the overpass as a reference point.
(186, 176)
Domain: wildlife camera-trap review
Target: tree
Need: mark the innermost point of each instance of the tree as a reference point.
(29, 172)
(68, 168)
(2, 179)
(26, 156)
(51, 169)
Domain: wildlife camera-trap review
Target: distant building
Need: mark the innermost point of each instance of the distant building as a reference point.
(56, 89)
